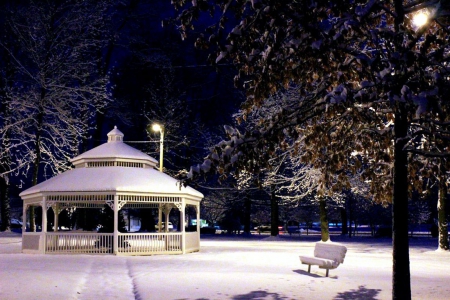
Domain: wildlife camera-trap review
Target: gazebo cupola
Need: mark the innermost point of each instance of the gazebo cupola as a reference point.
(114, 153)
(121, 177)
(115, 135)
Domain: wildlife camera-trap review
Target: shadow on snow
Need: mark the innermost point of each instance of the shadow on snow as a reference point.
(362, 293)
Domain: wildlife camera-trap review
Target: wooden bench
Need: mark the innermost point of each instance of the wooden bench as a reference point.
(327, 255)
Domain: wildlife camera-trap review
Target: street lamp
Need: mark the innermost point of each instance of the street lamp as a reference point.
(157, 127)
(420, 19)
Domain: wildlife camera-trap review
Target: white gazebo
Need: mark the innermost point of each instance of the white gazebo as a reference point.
(121, 177)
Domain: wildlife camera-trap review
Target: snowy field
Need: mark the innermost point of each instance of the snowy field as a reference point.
(258, 267)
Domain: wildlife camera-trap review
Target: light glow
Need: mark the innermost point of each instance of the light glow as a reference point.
(420, 19)
(156, 127)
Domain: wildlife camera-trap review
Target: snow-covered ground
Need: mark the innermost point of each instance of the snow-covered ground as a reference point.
(258, 267)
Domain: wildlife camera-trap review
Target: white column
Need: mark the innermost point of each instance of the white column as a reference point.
(44, 214)
(116, 225)
(33, 207)
(183, 225)
(159, 217)
(197, 210)
(24, 217)
(44, 224)
(167, 210)
(56, 214)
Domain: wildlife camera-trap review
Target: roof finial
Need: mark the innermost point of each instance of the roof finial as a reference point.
(115, 135)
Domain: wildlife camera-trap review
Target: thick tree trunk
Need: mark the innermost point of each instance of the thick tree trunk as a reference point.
(324, 220)
(350, 216)
(401, 281)
(273, 213)
(5, 111)
(344, 220)
(442, 218)
(247, 214)
(37, 160)
(4, 206)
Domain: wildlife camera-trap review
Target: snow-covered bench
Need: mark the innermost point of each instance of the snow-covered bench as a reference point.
(327, 255)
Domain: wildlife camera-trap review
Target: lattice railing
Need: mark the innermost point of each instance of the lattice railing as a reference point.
(149, 243)
(80, 197)
(102, 243)
(86, 243)
(144, 198)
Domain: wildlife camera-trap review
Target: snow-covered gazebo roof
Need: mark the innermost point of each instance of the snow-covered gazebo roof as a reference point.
(121, 179)
(115, 167)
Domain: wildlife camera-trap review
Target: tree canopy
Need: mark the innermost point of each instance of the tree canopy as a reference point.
(372, 87)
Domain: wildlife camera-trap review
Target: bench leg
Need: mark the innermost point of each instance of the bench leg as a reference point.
(327, 272)
(309, 268)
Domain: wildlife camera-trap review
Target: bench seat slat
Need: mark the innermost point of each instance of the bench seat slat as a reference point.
(321, 262)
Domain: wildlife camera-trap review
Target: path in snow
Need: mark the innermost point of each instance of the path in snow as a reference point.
(107, 279)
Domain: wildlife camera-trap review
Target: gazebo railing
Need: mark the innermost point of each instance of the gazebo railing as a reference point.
(150, 243)
(102, 243)
(82, 242)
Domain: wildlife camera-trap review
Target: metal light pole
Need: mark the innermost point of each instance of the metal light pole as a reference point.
(157, 127)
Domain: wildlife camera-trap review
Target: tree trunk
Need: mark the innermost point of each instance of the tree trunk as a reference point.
(98, 133)
(324, 220)
(4, 206)
(273, 213)
(247, 214)
(344, 220)
(442, 218)
(37, 160)
(401, 281)
(350, 216)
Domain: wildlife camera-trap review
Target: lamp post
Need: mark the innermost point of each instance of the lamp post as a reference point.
(157, 127)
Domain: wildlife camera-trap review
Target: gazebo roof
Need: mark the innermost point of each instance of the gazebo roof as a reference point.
(113, 167)
(114, 149)
(114, 179)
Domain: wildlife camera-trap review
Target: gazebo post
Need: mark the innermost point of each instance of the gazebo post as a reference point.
(183, 225)
(167, 210)
(55, 217)
(44, 223)
(24, 217)
(116, 225)
(159, 217)
(32, 217)
(197, 210)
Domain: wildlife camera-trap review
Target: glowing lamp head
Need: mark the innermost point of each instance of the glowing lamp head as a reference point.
(156, 127)
(420, 19)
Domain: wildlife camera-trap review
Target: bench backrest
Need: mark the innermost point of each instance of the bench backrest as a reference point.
(328, 250)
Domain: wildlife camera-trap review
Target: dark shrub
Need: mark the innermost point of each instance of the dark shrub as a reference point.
(207, 230)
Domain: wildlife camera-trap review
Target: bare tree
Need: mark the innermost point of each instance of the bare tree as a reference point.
(54, 87)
